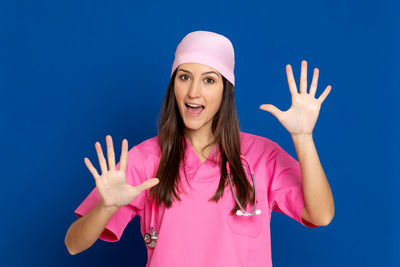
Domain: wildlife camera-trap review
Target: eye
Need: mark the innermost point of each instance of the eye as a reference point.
(183, 75)
(211, 80)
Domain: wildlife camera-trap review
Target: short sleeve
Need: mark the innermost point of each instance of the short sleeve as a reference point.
(285, 186)
(116, 225)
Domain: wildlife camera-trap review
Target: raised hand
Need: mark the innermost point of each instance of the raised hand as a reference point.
(301, 117)
(111, 184)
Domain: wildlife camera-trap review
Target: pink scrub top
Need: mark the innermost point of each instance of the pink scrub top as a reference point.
(196, 232)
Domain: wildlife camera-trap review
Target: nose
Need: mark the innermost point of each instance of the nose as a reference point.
(195, 89)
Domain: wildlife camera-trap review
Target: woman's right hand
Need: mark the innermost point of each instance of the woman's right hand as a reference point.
(111, 184)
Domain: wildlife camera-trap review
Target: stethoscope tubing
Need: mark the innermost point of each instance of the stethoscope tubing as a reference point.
(152, 236)
(242, 210)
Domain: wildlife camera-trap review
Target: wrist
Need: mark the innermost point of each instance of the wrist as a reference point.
(302, 139)
(302, 136)
(108, 209)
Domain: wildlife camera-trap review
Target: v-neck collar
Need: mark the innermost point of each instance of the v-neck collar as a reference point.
(191, 154)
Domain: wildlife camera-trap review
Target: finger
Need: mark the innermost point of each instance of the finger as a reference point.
(313, 86)
(147, 184)
(322, 97)
(303, 77)
(124, 155)
(272, 109)
(290, 78)
(100, 156)
(110, 153)
(92, 169)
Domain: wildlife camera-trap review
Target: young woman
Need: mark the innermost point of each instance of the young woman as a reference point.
(216, 186)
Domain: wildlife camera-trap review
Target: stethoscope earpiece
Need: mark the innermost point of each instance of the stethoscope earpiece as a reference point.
(240, 213)
(150, 238)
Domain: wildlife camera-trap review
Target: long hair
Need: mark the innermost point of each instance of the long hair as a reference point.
(225, 129)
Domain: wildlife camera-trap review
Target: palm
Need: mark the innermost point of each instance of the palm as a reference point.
(302, 115)
(111, 184)
(114, 190)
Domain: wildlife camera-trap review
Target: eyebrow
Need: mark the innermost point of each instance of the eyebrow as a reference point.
(201, 74)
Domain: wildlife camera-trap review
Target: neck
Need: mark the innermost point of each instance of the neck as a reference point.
(199, 138)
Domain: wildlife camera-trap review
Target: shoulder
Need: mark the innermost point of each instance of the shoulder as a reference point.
(144, 154)
(148, 147)
(252, 142)
(143, 160)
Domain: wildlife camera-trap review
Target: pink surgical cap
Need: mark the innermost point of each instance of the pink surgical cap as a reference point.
(208, 48)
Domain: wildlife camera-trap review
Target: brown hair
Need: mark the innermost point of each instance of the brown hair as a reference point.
(225, 128)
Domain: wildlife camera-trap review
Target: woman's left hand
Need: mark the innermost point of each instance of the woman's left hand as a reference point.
(301, 117)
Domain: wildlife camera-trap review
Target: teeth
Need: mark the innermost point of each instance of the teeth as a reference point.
(193, 106)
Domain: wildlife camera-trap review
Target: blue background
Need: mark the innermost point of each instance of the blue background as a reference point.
(72, 72)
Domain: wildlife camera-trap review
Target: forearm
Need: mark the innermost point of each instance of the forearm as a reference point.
(86, 230)
(317, 192)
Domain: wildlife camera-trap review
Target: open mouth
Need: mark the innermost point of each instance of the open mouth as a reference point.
(194, 110)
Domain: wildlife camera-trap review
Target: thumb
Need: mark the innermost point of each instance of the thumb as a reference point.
(148, 183)
(271, 109)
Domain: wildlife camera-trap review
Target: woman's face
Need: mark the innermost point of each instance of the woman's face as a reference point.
(202, 85)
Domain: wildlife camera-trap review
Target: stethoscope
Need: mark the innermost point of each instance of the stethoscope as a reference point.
(150, 238)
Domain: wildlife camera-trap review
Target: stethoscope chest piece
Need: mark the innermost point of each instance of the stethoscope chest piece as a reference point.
(150, 239)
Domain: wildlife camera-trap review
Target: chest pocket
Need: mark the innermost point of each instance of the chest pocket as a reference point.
(253, 225)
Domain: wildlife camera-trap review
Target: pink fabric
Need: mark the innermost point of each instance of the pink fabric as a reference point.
(195, 232)
(208, 48)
